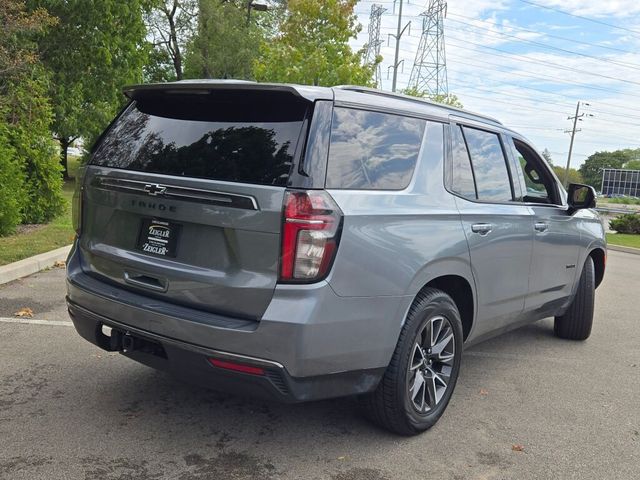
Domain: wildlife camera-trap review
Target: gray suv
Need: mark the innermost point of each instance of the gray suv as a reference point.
(300, 243)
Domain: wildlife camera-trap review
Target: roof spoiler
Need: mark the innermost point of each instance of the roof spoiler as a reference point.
(205, 87)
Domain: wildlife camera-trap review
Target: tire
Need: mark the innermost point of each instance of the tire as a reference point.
(392, 405)
(576, 322)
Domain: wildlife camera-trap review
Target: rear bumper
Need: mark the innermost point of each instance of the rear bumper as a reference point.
(192, 363)
(319, 344)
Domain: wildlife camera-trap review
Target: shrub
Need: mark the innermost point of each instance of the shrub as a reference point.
(35, 151)
(11, 185)
(626, 223)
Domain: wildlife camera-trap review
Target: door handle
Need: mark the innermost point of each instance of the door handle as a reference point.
(481, 228)
(541, 226)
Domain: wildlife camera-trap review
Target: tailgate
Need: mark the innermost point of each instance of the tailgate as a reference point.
(183, 198)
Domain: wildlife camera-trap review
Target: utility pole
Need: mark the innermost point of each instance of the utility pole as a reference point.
(373, 45)
(576, 118)
(429, 72)
(397, 36)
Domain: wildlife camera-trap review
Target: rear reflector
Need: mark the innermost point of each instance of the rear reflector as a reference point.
(76, 209)
(310, 234)
(236, 367)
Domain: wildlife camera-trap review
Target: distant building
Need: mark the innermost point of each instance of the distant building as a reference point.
(617, 181)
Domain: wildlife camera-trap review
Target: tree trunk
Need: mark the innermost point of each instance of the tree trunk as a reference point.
(64, 146)
(175, 46)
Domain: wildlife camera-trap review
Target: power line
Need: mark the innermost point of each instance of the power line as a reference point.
(546, 34)
(579, 16)
(539, 62)
(575, 154)
(546, 46)
(507, 94)
(532, 107)
(492, 67)
(539, 77)
(599, 111)
(511, 104)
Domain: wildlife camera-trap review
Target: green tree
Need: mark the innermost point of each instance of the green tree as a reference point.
(158, 67)
(18, 53)
(574, 175)
(225, 45)
(591, 169)
(313, 46)
(449, 99)
(632, 165)
(546, 154)
(97, 47)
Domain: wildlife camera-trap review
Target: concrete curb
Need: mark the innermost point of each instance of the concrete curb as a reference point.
(34, 264)
(618, 248)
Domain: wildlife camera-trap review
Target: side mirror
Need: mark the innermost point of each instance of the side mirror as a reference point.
(581, 196)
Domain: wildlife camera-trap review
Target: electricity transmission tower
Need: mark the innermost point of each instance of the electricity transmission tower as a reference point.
(429, 73)
(373, 46)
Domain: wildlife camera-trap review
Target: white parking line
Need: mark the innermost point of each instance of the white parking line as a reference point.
(33, 321)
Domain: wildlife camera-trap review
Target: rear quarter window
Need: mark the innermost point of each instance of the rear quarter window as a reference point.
(372, 150)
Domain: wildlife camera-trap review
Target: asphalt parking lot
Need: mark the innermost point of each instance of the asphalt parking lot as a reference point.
(71, 411)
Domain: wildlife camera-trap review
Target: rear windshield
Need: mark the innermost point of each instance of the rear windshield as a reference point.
(245, 137)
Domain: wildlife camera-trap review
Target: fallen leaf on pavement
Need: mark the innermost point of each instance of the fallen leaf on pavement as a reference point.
(59, 264)
(24, 312)
(484, 392)
(517, 448)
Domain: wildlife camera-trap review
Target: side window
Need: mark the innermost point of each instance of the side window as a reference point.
(462, 181)
(538, 183)
(489, 165)
(372, 151)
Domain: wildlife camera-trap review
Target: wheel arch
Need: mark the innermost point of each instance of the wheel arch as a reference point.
(460, 291)
(452, 275)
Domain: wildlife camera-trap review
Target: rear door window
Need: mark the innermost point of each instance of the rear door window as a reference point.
(372, 150)
(489, 165)
(247, 138)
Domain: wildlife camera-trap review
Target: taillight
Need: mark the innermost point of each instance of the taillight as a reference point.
(310, 234)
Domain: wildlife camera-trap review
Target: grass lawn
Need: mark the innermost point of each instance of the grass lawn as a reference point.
(620, 201)
(624, 239)
(32, 240)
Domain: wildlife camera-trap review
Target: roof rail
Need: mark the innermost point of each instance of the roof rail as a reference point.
(373, 91)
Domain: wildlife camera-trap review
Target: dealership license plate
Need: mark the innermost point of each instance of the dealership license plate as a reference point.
(158, 237)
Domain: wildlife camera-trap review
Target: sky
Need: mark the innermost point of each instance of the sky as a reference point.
(528, 63)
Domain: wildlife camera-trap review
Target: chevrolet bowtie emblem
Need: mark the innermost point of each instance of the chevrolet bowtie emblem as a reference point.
(155, 189)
